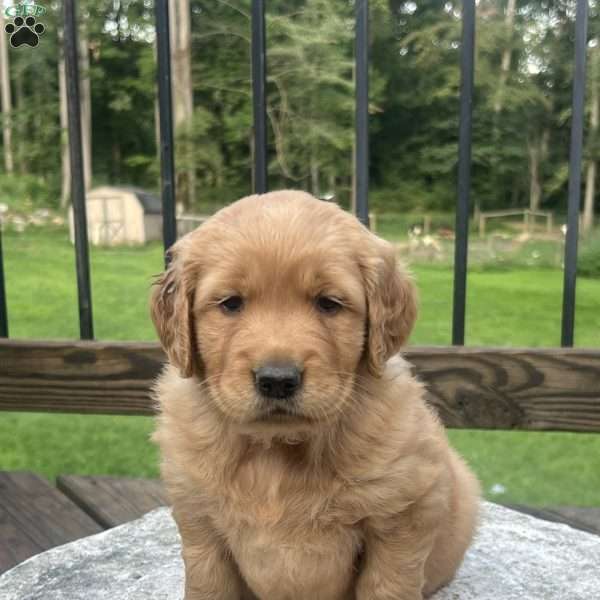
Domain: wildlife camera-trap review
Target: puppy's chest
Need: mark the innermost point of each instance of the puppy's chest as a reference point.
(268, 492)
(287, 534)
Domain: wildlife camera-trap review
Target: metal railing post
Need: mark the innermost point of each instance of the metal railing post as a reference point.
(165, 111)
(362, 111)
(575, 154)
(259, 98)
(461, 242)
(86, 327)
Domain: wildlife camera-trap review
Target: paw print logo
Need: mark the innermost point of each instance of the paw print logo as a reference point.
(24, 31)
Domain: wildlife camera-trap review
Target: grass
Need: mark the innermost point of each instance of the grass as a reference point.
(518, 307)
(42, 292)
(514, 307)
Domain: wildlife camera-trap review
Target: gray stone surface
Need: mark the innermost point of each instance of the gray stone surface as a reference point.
(515, 557)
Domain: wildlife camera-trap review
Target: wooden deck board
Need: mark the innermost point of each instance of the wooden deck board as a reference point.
(112, 501)
(35, 516)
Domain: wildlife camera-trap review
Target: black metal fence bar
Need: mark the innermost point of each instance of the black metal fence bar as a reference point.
(165, 111)
(461, 246)
(82, 261)
(259, 98)
(570, 277)
(362, 111)
(3, 313)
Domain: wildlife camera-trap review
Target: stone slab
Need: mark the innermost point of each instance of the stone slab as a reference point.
(514, 557)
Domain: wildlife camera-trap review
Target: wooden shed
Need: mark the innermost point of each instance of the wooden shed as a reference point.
(121, 215)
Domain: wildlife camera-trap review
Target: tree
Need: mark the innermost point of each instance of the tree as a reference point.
(521, 125)
(86, 114)
(65, 159)
(590, 180)
(183, 100)
(86, 102)
(6, 100)
(509, 20)
(311, 99)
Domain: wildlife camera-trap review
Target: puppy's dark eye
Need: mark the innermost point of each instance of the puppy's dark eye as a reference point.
(328, 305)
(232, 304)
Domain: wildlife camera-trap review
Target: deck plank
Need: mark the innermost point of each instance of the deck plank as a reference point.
(112, 501)
(35, 516)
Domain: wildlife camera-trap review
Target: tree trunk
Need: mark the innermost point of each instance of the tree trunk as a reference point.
(157, 139)
(183, 104)
(21, 129)
(535, 189)
(353, 177)
(6, 100)
(65, 188)
(505, 62)
(252, 168)
(590, 188)
(115, 154)
(314, 177)
(86, 117)
(332, 189)
(157, 128)
(509, 20)
(86, 104)
(353, 184)
(538, 150)
(590, 180)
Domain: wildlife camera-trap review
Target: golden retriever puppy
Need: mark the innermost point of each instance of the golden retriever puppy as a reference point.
(300, 457)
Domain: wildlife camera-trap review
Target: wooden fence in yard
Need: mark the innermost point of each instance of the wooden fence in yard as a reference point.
(533, 389)
(529, 217)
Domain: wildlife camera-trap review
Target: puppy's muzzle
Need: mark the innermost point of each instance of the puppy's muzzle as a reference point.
(279, 381)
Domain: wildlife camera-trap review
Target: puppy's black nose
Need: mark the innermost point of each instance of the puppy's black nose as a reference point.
(278, 380)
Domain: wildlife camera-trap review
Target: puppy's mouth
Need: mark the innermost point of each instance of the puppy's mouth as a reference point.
(281, 414)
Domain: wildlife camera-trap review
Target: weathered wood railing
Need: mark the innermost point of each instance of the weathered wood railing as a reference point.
(482, 388)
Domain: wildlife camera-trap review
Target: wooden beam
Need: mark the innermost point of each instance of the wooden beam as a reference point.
(502, 388)
(79, 377)
(482, 388)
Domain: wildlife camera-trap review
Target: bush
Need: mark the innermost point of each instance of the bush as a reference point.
(25, 193)
(411, 196)
(588, 264)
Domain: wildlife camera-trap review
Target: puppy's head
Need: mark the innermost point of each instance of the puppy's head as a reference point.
(276, 304)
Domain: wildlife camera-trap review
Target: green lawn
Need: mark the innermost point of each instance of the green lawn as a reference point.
(519, 307)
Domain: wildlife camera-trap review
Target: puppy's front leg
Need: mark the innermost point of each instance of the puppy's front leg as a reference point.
(210, 573)
(393, 564)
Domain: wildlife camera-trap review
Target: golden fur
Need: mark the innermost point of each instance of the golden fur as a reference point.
(357, 494)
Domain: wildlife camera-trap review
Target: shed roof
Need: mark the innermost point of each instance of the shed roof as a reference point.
(151, 204)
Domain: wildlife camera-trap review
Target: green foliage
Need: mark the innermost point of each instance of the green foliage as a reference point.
(520, 111)
(415, 195)
(588, 262)
(122, 78)
(26, 192)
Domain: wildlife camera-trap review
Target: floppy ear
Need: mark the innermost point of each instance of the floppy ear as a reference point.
(170, 308)
(391, 304)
